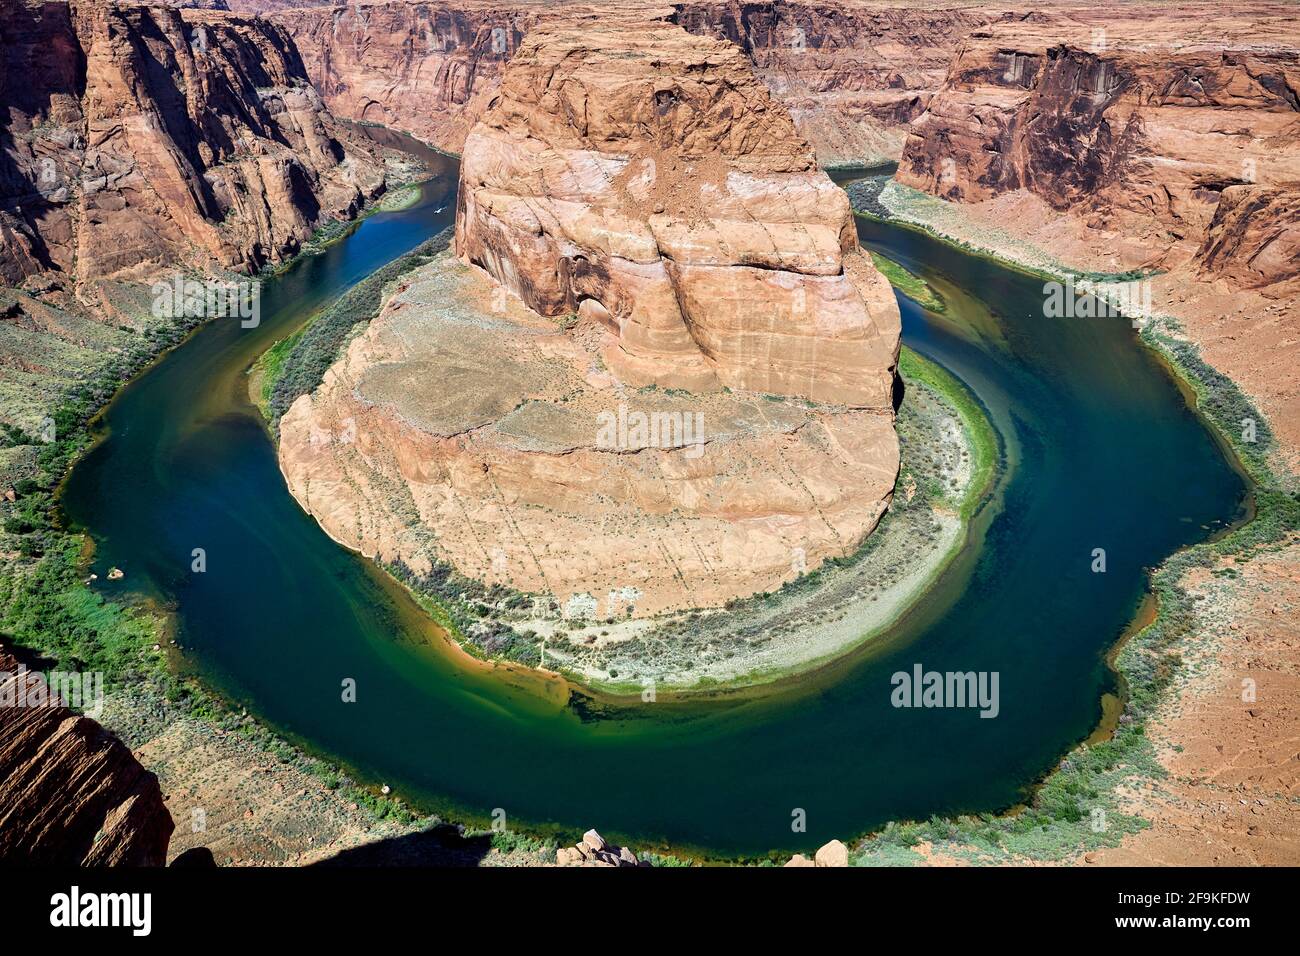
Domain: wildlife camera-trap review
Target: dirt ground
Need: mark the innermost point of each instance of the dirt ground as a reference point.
(1232, 797)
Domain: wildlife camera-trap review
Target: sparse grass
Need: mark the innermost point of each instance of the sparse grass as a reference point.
(46, 605)
(982, 438)
(692, 642)
(270, 367)
(395, 200)
(296, 366)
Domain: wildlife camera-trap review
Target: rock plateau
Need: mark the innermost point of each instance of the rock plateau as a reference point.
(685, 396)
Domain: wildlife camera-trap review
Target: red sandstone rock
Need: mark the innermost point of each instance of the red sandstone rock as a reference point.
(851, 74)
(144, 136)
(640, 175)
(426, 68)
(1135, 123)
(1254, 239)
(70, 792)
(638, 186)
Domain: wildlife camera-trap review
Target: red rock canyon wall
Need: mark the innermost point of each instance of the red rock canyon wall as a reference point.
(139, 136)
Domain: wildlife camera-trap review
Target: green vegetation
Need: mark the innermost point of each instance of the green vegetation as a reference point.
(911, 285)
(471, 612)
(296, 365)
(982, 438)
(1219, 399)
(1058, 821)
(47, 606)
(395, 200)
(269, 368)
(400, 197)
(927, 485)
(984, 445)
(44, 603)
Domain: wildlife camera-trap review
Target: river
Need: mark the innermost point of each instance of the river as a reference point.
(1101, 449)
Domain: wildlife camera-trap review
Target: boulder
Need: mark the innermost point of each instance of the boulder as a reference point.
(834, 853)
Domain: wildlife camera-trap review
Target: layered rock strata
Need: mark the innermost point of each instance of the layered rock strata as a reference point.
(1175, 134)
(426, 68)
(136, 137)
(71, 794)
(685, 395)
(851, 74)
(1165, 140)
(644, 180)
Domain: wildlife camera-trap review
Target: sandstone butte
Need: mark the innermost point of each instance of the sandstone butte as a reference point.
(670, 247)
(71, 793)
(141, 137)
(1113, 136)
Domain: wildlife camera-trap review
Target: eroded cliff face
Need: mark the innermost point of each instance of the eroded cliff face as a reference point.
(851, 74)
(141, 136)
(1253, 241)
(71, 794)
(676, 386)
(646, 180)
(425, 68)
(1166, 128)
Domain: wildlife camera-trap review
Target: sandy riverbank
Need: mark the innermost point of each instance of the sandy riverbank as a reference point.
(1226, 737)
